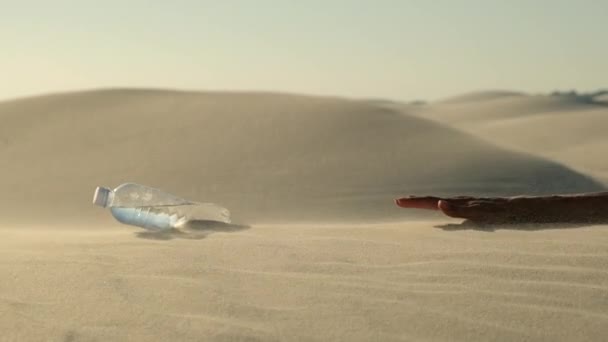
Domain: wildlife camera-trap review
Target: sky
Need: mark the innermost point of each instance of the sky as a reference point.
(392, 49)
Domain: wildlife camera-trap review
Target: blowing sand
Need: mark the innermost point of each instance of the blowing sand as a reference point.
(321, 253)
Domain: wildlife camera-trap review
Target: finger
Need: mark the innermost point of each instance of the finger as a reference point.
(416, 202)
(451, 209)
(477, 211)
(473, 210)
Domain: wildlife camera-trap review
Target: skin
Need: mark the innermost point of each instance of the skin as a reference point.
(578, 208)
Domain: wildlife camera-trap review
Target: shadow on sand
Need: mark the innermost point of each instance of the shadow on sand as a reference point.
(491, 227)
(193, 230)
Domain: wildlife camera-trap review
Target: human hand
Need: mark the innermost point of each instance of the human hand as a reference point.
(591, 207)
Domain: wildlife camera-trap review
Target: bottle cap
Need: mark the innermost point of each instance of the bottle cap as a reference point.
(102, 196)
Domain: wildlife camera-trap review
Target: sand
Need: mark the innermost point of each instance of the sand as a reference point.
(321, 252)
(568, 129)
(389, 282)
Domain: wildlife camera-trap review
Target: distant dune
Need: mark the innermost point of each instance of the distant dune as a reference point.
(503, 107)
(268, 157)
(481, 96)
(602, 98)
(568, 128)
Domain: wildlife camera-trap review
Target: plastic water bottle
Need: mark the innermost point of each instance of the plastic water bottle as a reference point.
(153, 209)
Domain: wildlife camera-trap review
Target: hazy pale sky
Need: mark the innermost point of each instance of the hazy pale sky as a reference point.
(400, 49)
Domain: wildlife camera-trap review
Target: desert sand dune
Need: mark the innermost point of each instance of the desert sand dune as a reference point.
(568, 129)
(267, 157)
(71, 273)
(481, 96)
(484, 106)
(601, 98)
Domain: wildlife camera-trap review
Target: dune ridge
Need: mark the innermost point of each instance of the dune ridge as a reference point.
(480, 96)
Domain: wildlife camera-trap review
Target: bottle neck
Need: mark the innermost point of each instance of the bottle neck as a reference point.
(103, 197)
